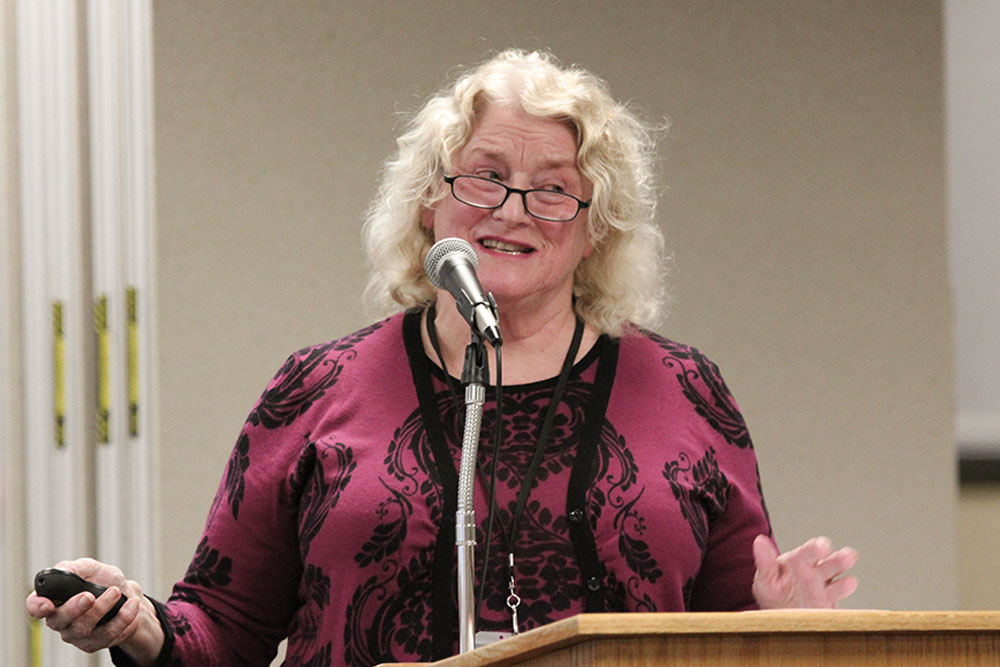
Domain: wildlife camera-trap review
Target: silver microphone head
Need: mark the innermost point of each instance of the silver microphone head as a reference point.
(437, 253)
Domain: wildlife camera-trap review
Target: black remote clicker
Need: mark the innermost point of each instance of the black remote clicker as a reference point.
(60, 585)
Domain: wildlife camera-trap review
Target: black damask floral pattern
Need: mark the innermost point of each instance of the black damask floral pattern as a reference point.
(702, 491)
(209, 569)
(235, 484)
(719, 408)
(409, 458)
(178, 621)
(318, 494)
(314, 596)
(636, 552)
(290, 395)
(616, 475)
(391, 531)
(615, 488)
(377, 621)
(239, 461)
(382, 626)
(548, 576)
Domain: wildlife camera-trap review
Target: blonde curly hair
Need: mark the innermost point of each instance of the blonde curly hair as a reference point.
(621, 283)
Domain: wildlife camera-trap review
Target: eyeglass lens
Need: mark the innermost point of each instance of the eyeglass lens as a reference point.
(486, 193)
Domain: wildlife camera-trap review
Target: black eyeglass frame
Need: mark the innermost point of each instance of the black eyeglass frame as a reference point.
(581, 204)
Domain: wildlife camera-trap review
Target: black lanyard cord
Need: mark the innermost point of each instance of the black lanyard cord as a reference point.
(543, 434)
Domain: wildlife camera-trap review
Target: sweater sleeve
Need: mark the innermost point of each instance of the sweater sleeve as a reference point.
(738, 513)
(725, 580)
(237, 598)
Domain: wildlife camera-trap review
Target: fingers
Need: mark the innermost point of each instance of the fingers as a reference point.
(811, 551)
(769, 587)
(765, 556)
(132, 589)
(95, 571)
(839, 589)
(837, 563)
(817, 558)
(94, 637)
(76, 621)
(38, 607)
(70, 612)
(101, 606)
(811, 575)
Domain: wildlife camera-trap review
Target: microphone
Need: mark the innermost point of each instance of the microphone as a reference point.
(451, 264)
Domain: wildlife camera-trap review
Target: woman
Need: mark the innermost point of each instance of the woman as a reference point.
(334, 522)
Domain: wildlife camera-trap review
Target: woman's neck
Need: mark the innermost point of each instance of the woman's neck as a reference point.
(534, 345)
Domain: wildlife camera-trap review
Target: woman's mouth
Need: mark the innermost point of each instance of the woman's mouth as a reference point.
(505, 247)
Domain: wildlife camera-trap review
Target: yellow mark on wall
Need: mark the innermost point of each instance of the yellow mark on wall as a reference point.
(36, 642)
(59, 373)
(132, 317)
(103, 370)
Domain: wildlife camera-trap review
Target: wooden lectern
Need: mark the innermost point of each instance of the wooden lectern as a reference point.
(784, 637)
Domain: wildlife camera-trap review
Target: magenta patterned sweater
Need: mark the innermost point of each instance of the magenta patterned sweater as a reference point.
(334, 522)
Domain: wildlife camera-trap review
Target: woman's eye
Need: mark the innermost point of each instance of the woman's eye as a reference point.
(486, 172)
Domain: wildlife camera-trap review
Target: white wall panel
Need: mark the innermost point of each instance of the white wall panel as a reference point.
(54, 334)
(973, 107)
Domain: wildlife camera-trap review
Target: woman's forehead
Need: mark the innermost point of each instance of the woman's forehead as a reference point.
(510, 133)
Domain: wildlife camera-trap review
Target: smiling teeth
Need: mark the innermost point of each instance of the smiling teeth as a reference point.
(505, 247)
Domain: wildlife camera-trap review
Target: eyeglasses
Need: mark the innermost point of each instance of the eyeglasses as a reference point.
(482, 192)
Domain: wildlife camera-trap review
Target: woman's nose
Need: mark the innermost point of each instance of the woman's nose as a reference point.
(513, 210)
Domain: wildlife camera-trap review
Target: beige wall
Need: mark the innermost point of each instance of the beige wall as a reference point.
(803, 197)
(979, 544)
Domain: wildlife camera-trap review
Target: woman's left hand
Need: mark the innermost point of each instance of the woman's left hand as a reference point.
(809, 576)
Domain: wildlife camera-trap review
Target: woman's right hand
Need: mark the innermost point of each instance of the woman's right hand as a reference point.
(135, 629)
